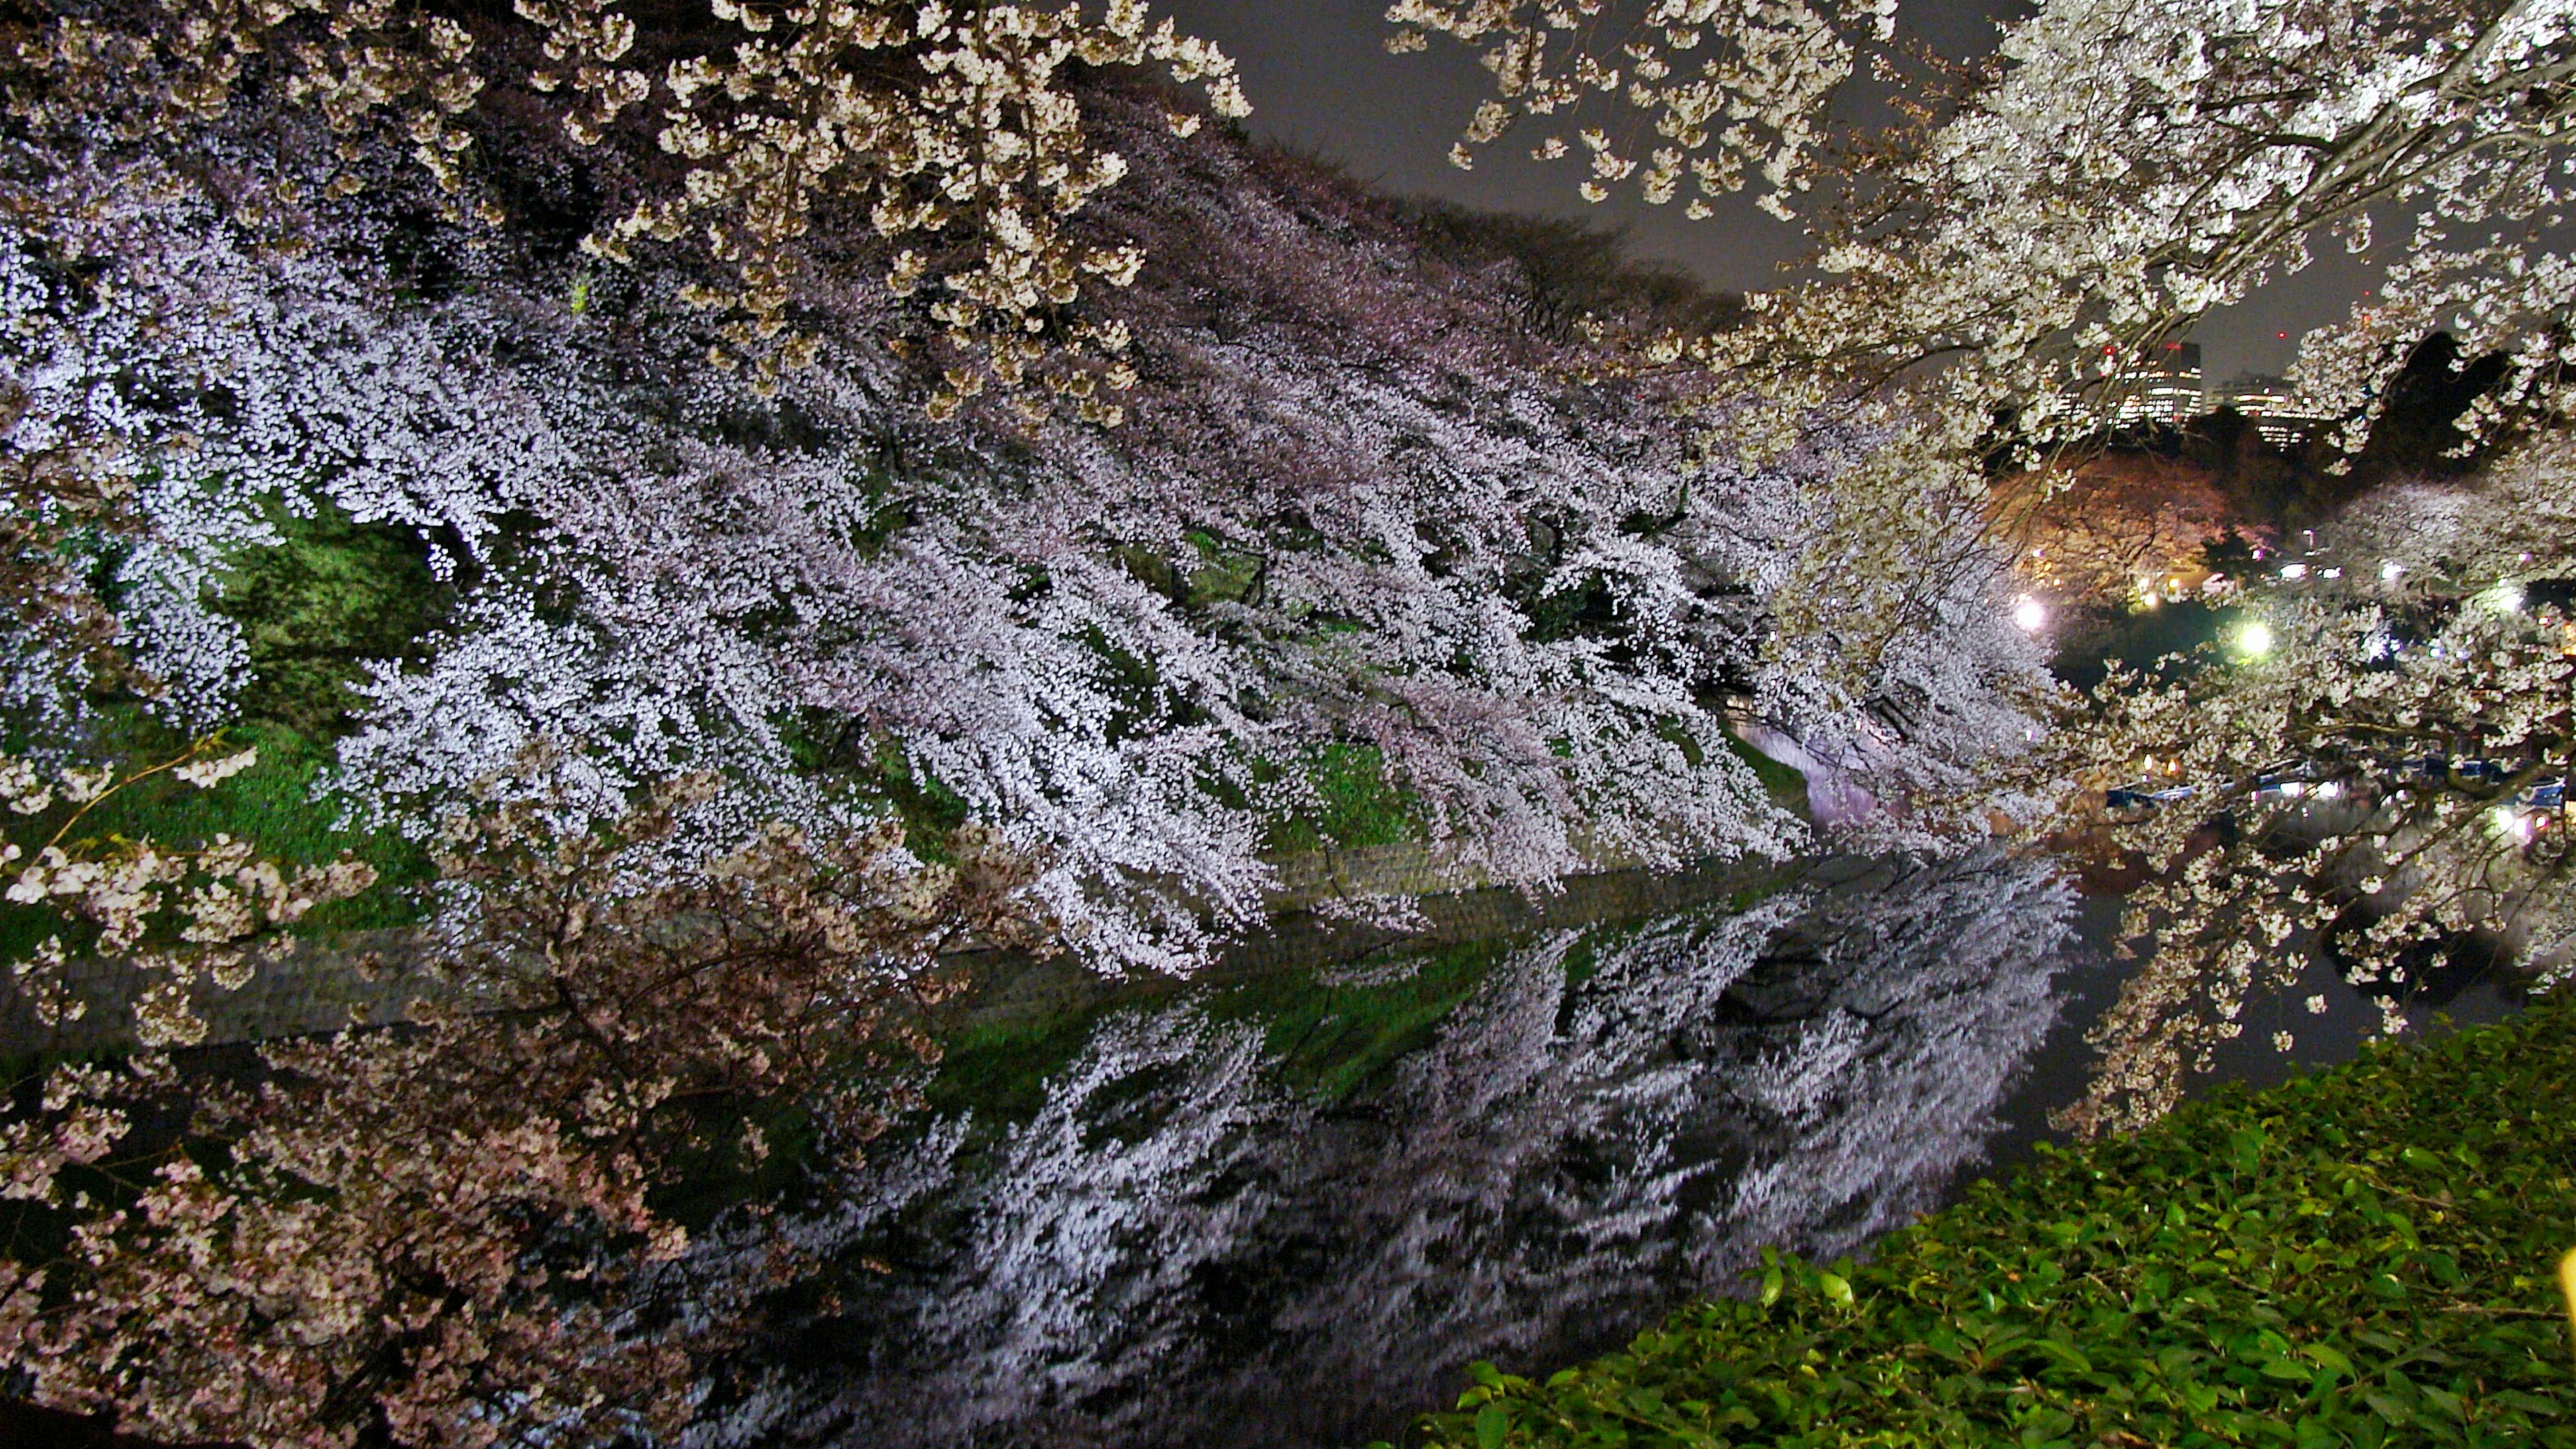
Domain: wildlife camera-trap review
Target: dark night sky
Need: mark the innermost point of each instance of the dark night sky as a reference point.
(1319, 78)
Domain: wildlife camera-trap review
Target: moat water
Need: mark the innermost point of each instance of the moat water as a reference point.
(1288, 1208)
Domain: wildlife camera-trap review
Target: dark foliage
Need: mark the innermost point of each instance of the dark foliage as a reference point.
(30, 1426)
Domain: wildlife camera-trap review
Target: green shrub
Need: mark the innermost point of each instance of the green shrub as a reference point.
(2363, 1257)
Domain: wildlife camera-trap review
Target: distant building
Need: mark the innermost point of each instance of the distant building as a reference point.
(2275, 408)
(2163, 386)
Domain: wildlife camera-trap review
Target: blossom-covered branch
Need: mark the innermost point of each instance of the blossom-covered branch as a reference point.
(424, 1236)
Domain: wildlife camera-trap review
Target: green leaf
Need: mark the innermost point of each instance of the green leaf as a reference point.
(1835, 1287)
(1492, 1424)
(2387, 1408)
(2245, 1149)
(1770, 1287)
(2064, 1353)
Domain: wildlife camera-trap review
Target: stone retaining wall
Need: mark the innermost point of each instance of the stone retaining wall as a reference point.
(362, 976)
(374, 976)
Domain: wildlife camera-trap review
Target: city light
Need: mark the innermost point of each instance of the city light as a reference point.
(2030, 614)
(2389, 572)
(2294, 571)
(2255, 639)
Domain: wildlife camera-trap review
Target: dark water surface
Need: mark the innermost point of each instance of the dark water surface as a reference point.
(1287, 1210)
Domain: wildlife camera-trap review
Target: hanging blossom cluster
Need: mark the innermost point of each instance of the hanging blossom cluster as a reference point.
(970, 167)
(1730, 88)
(426, 1237)
(2382, 782)
(2131, 167)
(949, 134)
(184, 917)
(131, 74)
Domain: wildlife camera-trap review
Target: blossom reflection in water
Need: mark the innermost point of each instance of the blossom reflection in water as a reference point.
(1187, 1242)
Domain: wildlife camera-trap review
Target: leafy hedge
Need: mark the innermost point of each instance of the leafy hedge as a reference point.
(2362, 1257)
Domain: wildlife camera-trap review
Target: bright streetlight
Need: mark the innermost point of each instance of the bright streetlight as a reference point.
(2030, 614)
(2255, 639)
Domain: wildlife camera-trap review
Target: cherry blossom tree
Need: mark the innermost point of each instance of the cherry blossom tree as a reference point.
(1983, 272)
(2113, 174)
(2378, 774)
(1729, 88)
(426, 1236)
(1501, 580)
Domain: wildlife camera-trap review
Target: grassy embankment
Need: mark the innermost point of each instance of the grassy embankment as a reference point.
(313, 610)
(2363, 1257)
